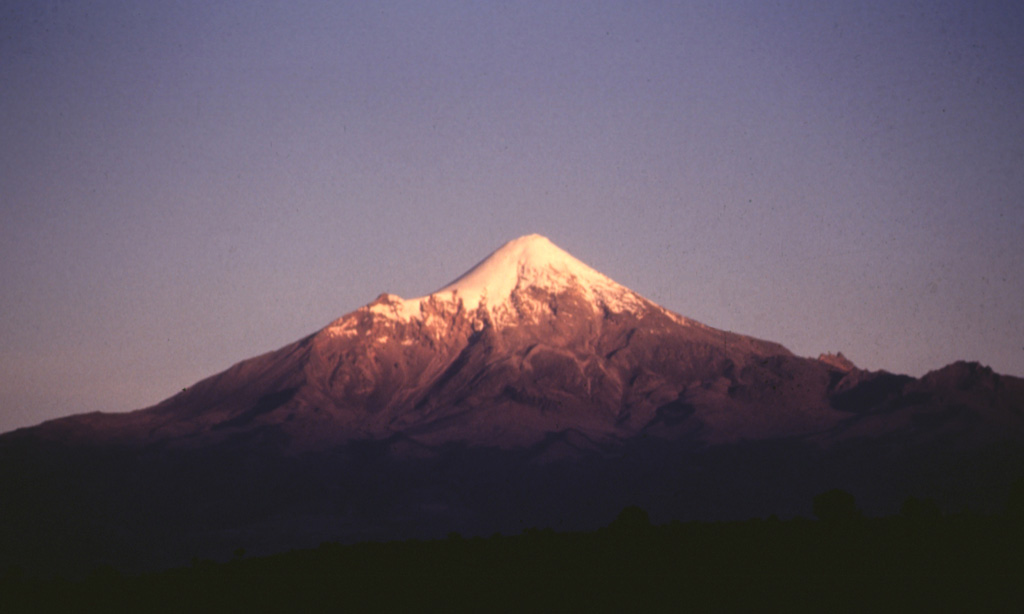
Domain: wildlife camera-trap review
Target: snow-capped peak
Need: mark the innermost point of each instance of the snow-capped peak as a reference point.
(532, 261)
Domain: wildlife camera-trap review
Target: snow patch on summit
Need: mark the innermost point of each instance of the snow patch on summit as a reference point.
(532, 261)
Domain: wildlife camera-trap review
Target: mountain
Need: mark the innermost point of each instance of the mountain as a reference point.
(531, 391)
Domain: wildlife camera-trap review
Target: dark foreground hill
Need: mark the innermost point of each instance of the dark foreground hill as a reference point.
(533, 391)
(918, 560)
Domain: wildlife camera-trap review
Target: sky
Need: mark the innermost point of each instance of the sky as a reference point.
(184, 185)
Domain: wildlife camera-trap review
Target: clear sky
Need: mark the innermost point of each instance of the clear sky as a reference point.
(187, 184)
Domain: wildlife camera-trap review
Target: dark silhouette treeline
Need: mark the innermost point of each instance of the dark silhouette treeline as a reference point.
(843, 560)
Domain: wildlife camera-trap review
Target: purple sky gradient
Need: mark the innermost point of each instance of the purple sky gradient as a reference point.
(184, 185)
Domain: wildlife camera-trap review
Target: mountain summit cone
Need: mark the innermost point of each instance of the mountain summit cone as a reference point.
(534, 261)
(529, 262)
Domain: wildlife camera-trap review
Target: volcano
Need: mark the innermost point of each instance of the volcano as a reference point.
(532, 391)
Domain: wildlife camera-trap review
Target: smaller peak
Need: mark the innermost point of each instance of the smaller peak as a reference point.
(386, 298)
(838, 361)
(393, 306)
(963, 374)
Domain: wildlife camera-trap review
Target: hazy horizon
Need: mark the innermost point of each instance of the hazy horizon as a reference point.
(188, 185)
